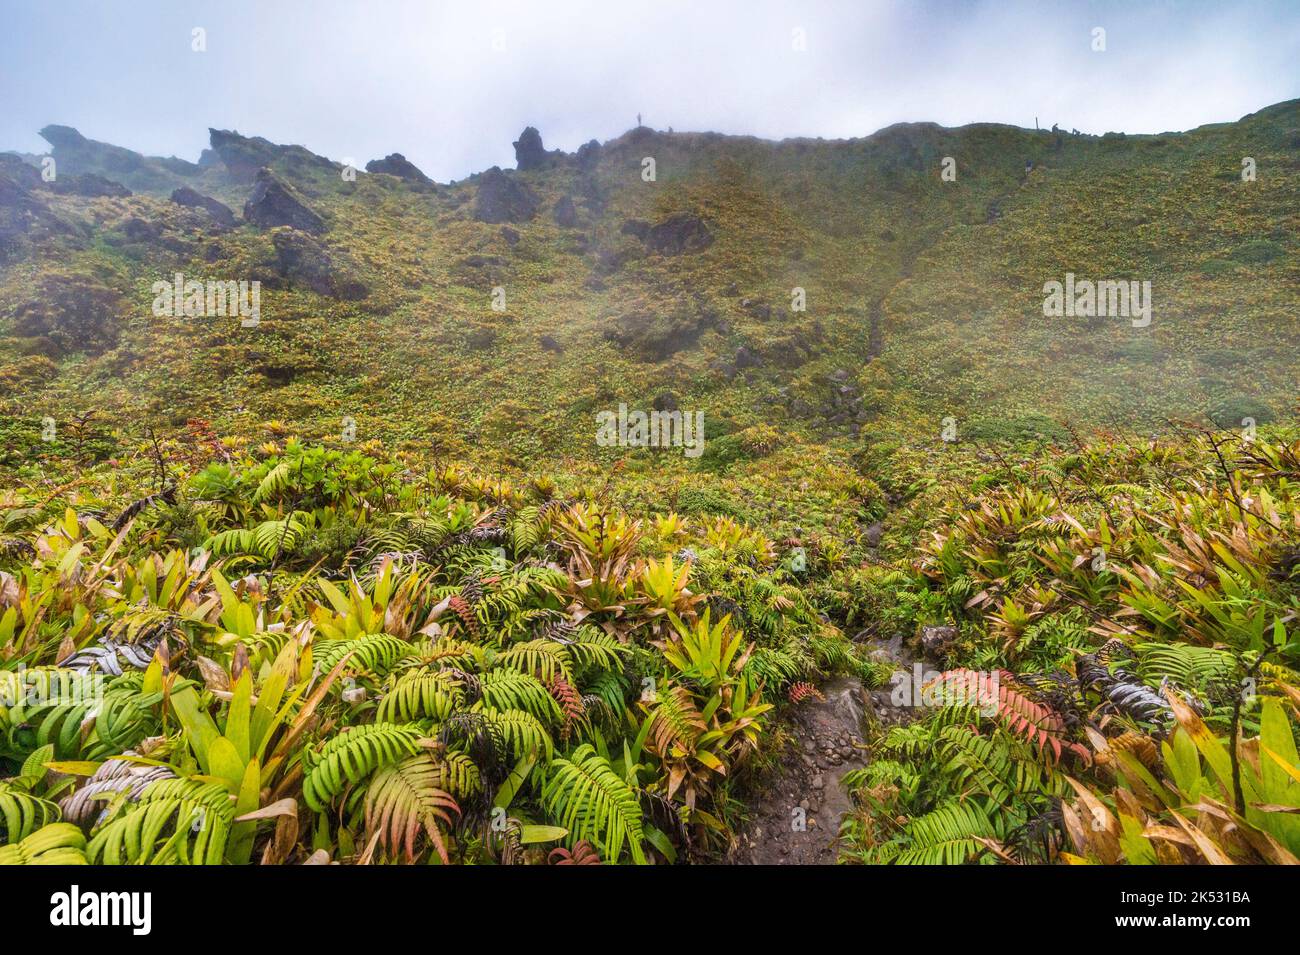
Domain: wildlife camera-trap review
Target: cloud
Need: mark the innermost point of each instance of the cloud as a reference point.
(451, 84)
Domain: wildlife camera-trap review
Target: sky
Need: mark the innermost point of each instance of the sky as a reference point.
(451, 84)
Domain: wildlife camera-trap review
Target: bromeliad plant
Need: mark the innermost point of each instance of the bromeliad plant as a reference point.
(706, 718)
(1195, 800)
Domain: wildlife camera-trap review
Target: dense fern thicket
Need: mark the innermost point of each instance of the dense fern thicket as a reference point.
(1114, 629)
(310, 654)
(294, 653)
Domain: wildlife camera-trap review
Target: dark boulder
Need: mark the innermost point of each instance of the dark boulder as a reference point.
(666, 401)
(609, 261)
(529, 152)
(636, 227)
(511, 236)
(565, 212)
(395, 164)
(502, 198)
(480, 338)
(273, 204)
(786, 351)
(305, 262)
(190, 198)
(550, 344)
(679, 234)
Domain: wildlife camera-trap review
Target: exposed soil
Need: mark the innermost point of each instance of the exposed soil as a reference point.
(796, 817)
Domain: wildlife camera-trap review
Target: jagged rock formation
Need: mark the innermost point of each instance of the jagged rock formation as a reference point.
(395, 164)
(273, 203)
(588, 155)
(674, 236)
(190, 198)
(244, 156)
(75, 155)
(654, 335)
(502, 198)
(25, 216)
(529, 151)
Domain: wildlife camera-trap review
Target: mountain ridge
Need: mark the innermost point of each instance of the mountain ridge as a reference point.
(71, 136)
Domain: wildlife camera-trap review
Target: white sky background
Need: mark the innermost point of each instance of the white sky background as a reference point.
(363, 78)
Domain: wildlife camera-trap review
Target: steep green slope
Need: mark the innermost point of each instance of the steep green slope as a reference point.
(386, 316)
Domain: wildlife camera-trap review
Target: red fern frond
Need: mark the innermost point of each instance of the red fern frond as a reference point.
(571, 705)
(461, 608)
(1017, 713)
(802, 691)
(584, 853)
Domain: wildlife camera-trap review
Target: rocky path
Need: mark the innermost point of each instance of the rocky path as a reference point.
(796, 818)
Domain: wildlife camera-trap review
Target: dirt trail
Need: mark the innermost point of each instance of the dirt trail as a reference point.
(796, 818)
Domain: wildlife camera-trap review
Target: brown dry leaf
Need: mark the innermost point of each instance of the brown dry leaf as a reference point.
(8, 590)
(214, 674)
(1104, 828)
(1211, 852)
(238, 662)
(1269, 849)
(285, 813)
(1168, 833)
(1073, 827)
(67, 647)
(997, 849)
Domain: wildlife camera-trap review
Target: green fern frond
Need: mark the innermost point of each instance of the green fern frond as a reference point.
(375, 652)
(172, 821)
(945, 836)
(586, 796)
(59, 843)
(506, 689)
(458, 774)
(421, 694)
(353, 755)
(522, 732)
(21, 813)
